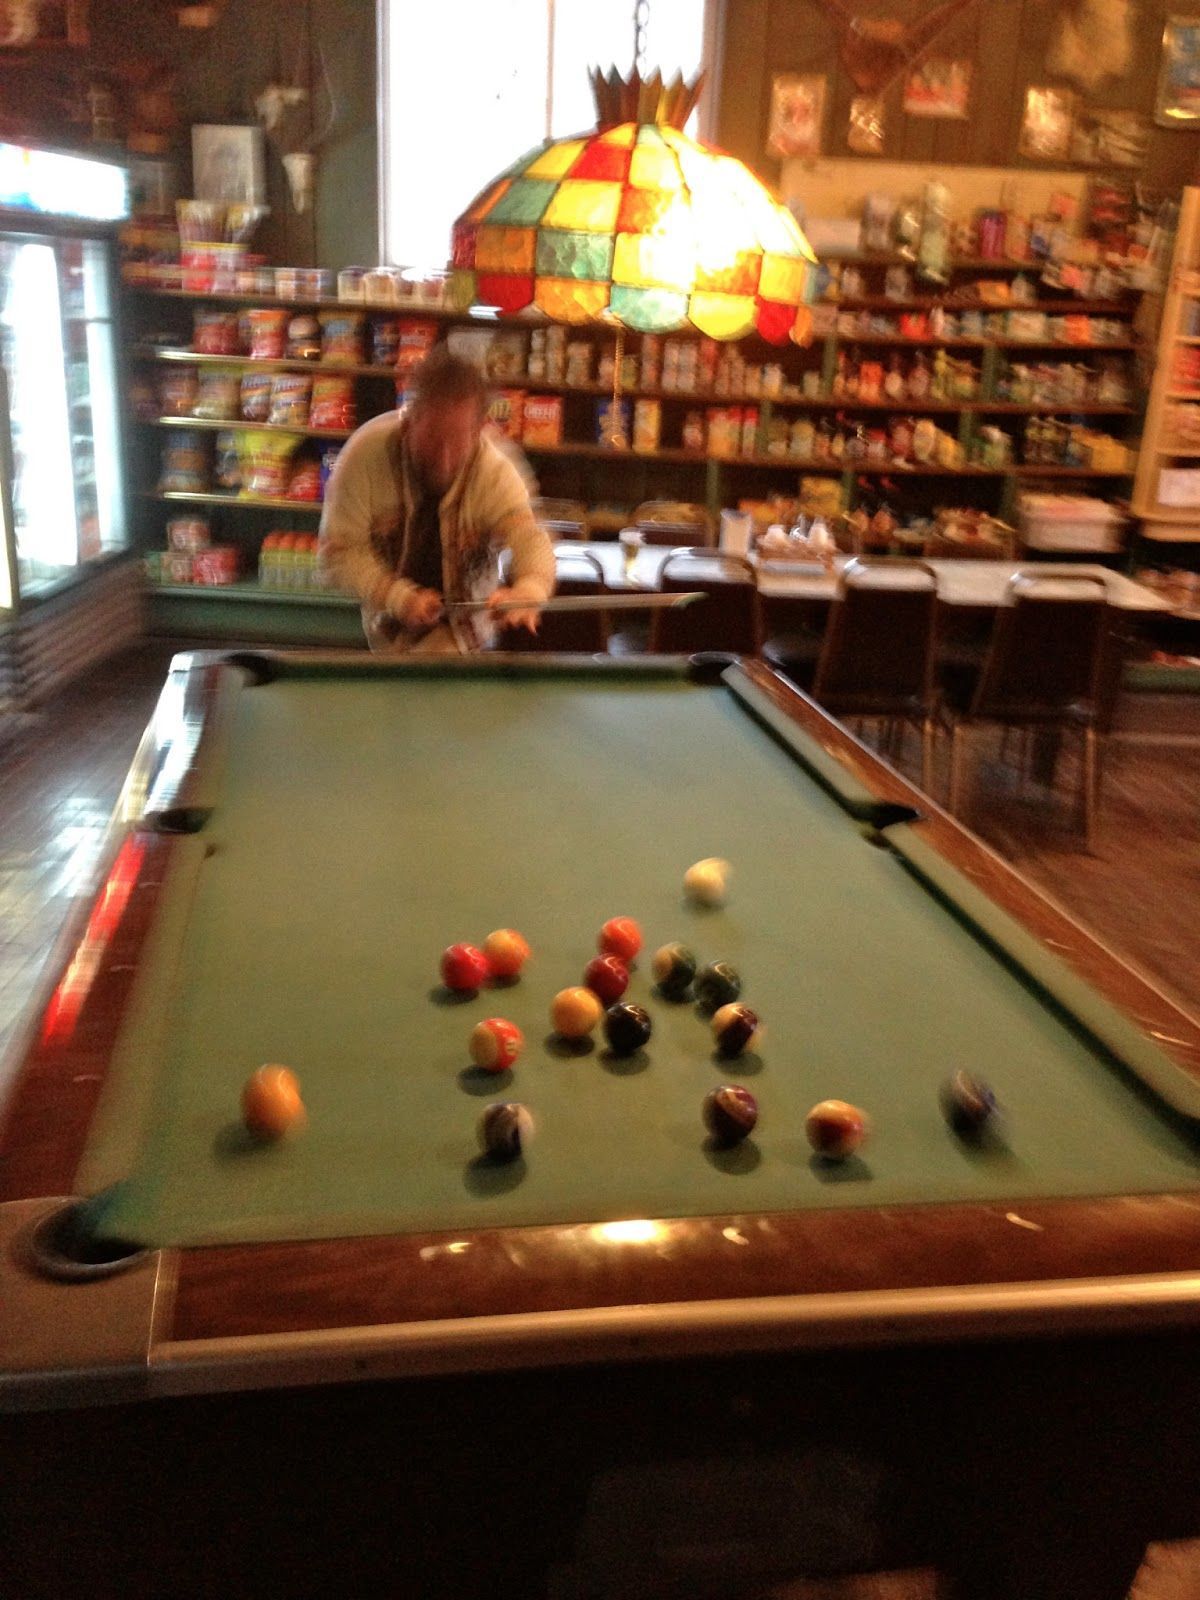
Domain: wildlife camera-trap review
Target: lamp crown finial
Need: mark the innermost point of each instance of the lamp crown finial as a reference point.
(643, 99)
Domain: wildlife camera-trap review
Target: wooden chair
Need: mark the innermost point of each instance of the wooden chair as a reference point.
(878, 655)
(567, 632)
(673, 522)
(726, 619)
(562, 519)
(1045, 669)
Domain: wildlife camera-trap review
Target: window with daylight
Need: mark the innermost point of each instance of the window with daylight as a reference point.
(467, 88)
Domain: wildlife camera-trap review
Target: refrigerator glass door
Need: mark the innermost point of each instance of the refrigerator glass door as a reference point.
(92, 395)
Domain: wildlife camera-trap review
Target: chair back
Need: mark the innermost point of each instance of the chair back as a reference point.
(878, 656)
(1048, 650)
(726, 619)
(673, 522)
(562, 519)
(577, 572)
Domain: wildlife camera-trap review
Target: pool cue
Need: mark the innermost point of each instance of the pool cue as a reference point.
(650, 601)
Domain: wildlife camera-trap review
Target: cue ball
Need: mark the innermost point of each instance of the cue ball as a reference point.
(968, 1103)
(835, 1128)
(608, 977)
(495, 1044)
(674, 967)
(575, 1013)
(620, 936)
(736, 1028)
(507, 951)
(706, 882)
(730, 1113)
(271, 1103)
(464, 969)
(627, 1028)
(717, 985)
(505, 1130)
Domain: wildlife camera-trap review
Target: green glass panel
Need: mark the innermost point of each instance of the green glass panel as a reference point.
(562, 253)
(649, 310)
(525, 202)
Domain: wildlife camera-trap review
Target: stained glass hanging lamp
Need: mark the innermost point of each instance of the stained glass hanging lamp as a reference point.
(637, 224)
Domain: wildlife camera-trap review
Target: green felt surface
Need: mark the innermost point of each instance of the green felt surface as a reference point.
(364, 825)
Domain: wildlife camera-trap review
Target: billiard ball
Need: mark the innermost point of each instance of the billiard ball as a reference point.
(608, 977)
(627, 1028)
(464, 968)
(495, 1044)
(505, 1130)
(271, 1103)
(730, 1113)
(575, 1012)
(835, 1129)
(736, 1028)
(674, 967)
(717, 985)
(968, 1103)
(706, 882)
(620, 936)
(506, 951)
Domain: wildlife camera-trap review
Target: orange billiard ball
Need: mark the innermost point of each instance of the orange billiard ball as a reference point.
(507, 951)
(620, 936)
(575, 1013)
(271, 1103)
(495, 1044)
(835, 1129)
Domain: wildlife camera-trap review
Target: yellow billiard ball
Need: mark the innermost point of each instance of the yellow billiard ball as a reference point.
(575, 1013)
(271, 1103)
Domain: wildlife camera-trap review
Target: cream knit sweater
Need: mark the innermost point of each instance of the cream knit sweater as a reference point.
(367, 514)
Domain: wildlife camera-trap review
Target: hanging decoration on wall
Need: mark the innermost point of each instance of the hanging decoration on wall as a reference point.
(285, 111)
(1177, 102)
(1046, 124)
(797, 112)
(1093, 42)
(637, 224)
(875, 51)
(939, 87)
(865, 132)
(1102, 138)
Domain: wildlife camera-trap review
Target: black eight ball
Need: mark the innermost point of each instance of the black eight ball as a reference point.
(626, 1027)
(717, 984)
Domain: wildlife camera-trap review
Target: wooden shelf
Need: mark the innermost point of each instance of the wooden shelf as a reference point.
(198, 358)
(249, 502)
(406, 308)
(1095, 308)
(1030, 469)
(1182, 451)
(603, 452)
(241, 426)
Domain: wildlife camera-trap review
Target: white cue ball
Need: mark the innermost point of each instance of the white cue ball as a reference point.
(707, 882)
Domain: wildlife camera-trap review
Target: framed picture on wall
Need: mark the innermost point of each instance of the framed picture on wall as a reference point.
(797, 111)
(1177, 103)
(33, 22)
(939, 87)
(1047, 123)
(228, 163)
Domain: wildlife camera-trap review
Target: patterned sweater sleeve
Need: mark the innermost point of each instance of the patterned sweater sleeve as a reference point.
(515, 526)
(360, 482)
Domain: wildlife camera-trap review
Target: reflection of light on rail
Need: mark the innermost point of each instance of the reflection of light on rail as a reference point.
(1023, 1222)
(636, 1230)
(66, 1002)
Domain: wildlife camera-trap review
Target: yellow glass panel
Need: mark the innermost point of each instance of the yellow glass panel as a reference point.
(662, 259)
(580, 203)
(722, 316)
(568, 300)
(556, 161)
(505, 249)
(623, 135)
(652, 167)
(783, 278)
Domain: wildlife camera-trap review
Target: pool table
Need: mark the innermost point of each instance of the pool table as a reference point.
(971, 1353)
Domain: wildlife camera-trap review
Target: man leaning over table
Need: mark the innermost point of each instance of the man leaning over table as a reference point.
(418, 509)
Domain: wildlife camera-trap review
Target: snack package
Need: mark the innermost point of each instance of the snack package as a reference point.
(188, 533)
(216, 566)
(184, 464)
(216, 333)
(418, 335)
(290, 396)
(218, 394)
(177, 389)
(343, 335)
(304, 338)
(266, 460)
(647, 425)
(328, 461)
(227, 468)
(542, 422)
(305, 480)
(333, 404)
(267, 333)
(507, 411)
(256, 396)
(612, 423)
(385, 341)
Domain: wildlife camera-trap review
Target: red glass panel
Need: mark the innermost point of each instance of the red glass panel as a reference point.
(608, 162)
(511, 291)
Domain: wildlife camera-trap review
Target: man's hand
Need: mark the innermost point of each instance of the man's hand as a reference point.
(422, 609)
(530, 617)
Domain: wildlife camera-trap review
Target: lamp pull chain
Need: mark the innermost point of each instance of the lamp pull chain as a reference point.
(641, 17)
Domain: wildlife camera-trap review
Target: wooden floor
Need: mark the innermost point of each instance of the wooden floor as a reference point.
(1140, 889)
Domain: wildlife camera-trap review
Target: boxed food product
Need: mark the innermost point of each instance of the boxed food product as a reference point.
(188, 533)
(724, 432)
(343, 337)
(176, 566)
(216, 333)
(216, 566)
(647, 425)
(333, 404)
(304, 338)
(291, 393)
(612, 423)
(177, 388)
(506, 355)
(506, 411)
(1068, 522)
(542, 422)
(385, 341)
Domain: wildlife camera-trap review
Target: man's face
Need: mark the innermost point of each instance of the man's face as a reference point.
(441, 437)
